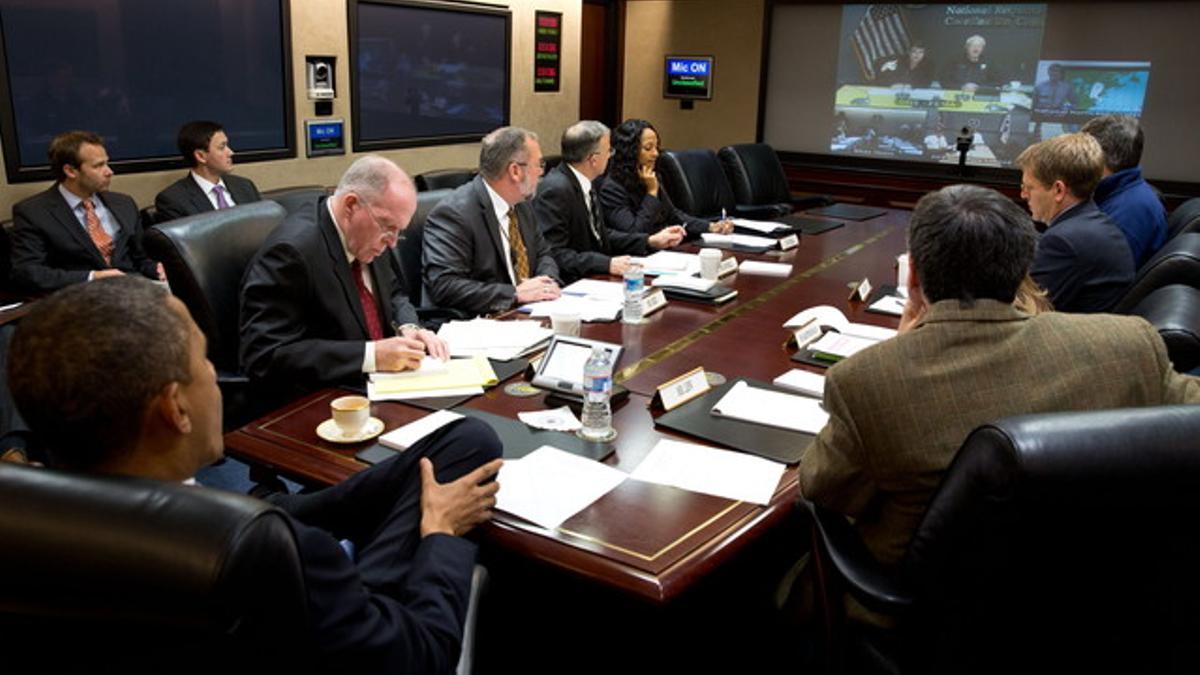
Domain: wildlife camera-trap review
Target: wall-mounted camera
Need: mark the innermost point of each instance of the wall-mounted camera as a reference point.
(320, 77)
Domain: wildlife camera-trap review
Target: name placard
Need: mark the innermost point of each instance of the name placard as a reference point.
(862, 290)
(789, 242)
(807, 332)
(728, 266)
(652, 301)
(674, 393)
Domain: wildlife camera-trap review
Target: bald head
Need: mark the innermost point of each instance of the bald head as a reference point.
(373, 203)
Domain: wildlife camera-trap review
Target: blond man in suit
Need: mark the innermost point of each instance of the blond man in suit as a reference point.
(900, 410)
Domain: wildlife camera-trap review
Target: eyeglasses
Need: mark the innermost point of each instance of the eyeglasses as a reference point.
(391, 232)
(541, 164)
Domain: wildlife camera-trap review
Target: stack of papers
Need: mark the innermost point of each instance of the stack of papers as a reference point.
(461, 377)
(597, 290)
(834, 347)
(403, 438)
(759, 225)
(670, 262)
(771, 408)
(588, 308)
(832, 317)
(689, 283)
(548, 486)
(558, 419)
(500, 340)
(802, 381)
(711, 471)
(769, 269)
(749, 240)
(889, 304)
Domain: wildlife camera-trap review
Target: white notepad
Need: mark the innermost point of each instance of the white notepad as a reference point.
(403, 438)
(548, 486)
(771, 408)
(802, 381)
(769, 269)
(712, 471)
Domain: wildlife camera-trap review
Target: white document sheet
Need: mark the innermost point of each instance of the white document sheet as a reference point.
(737, 239)
(500, 340)
(841, 346)
(802, 381)
(548, 486)
(769, 269)
(771, 408)
(889, 304)
(690, 283)
(763, 226)
(669, 262)
(403, 438)
(711, 471)
(588, 309)
(597, 290)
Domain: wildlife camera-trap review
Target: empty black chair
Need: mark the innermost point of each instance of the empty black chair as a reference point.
(1175, 311)
(295, 197)
(551, 161)
(1056, 543)
(1185, 218)
(1177, 262)
(443, 179)
(205, 256)
(107, 574)
(696, 183)
(757, 178)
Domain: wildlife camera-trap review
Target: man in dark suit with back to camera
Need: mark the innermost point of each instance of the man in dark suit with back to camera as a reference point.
(397, 605)
(483, 252)
(321, 304)
(77, 230)
(1083, 259)
(209, 185)
(569, 213)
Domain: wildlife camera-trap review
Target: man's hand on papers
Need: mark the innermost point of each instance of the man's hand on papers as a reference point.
(456, 507)
(721, 227)
(668, 237)
(617, 265)
(536, 289)
(434, 345)
(398, 353)
(914, 311)
(649, 178)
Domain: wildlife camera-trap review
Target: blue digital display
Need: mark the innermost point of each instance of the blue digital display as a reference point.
(688, 66)
(325, 137)
(324, 131)
(688, 77)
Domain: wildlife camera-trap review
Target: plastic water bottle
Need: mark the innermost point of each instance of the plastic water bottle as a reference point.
(597, 388)
(635, 286)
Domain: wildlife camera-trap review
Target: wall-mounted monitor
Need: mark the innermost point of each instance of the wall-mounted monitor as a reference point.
(689, 77)
(1072, 92)
(134, 71)
(426, 72)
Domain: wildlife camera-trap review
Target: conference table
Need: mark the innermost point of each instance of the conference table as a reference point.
(646, 540)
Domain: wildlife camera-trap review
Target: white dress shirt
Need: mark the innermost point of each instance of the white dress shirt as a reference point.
(501, 208)
(207, 188)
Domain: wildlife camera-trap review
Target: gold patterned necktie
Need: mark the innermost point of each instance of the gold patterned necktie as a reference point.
(100, 238)
(520, 259)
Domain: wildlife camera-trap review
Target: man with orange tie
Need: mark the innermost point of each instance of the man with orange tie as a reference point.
(209, 185)
(320, 303)
(76, 230)
(483, 251)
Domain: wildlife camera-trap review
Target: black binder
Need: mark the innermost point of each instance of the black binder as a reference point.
(848, 212)
(693, 418)
(716, 295)
(811, 225)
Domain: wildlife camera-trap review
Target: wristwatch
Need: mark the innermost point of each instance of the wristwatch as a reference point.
(415, 328)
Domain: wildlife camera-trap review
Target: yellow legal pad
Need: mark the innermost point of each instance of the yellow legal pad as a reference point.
(475, 371)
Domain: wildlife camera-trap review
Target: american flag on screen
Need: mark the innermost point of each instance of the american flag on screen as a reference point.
(881, 33)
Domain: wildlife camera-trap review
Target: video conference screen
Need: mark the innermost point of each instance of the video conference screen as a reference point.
(900, 81)
(426, 72)
(134, 71)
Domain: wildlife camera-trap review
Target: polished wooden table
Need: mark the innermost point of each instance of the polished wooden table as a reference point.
(649, 540)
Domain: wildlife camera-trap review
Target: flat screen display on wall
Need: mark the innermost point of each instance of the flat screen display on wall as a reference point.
(134, 71)
(424, 73)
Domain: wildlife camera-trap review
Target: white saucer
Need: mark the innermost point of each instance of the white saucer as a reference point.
(330, 431)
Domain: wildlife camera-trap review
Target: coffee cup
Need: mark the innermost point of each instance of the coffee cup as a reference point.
(710, 263)
(565, 323)
(350, 413)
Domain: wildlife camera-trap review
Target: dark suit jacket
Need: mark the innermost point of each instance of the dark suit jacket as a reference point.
(645, 213)
(463, 253)
(185, 198)
(562, 214)
(1083, 260)
(301, 320)
(51, 249)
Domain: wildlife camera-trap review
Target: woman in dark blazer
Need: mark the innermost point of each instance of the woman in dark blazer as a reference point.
(631, 196)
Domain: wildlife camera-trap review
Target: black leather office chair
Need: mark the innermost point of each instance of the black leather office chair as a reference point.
(1177, 262)
(1185, 218)
(295, 197)
(551, 161)
(205, 256)
(1056, 543)
(148, 217)
(105, 574)
(757, 178)
(696, 183)
(6, 228)
(407, 256)
(443, 179)
(1175, 311)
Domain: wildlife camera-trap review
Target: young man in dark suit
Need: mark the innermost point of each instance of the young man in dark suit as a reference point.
(209, 185)
(483, 252)
(319, 303)
(569, 213)
(77, 230)
(398, 605)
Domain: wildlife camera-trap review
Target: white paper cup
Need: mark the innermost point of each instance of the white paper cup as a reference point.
(710, 263)
(565, 323)
(350, 413)
(902, 275)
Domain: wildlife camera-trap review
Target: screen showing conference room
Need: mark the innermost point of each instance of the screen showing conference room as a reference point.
(134, 71)
(424, 73)
(898, 81)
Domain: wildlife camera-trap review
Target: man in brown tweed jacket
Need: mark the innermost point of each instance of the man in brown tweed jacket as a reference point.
(900, 409)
